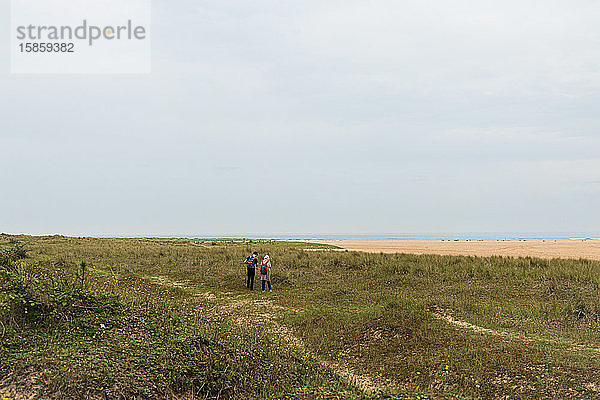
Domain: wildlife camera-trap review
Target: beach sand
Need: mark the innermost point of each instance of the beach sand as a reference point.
(541, 248)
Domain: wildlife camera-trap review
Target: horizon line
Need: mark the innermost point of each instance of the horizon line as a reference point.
(573, 235)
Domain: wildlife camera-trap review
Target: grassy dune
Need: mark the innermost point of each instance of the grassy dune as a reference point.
(160, 318)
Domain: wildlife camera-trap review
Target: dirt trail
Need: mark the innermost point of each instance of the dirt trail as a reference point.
(443, 315)
(265, 312)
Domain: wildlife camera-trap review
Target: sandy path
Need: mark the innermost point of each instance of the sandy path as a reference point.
(541, 248)
(443, 315)
(231, 305)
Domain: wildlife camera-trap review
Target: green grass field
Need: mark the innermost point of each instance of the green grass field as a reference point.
(171, 318)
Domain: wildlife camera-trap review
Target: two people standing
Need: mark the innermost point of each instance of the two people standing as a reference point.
(265, 271)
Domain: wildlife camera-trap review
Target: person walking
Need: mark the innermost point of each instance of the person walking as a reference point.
(251, 263)
(265, 272)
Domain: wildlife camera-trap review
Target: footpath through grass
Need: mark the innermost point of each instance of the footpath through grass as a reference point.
(178, 322)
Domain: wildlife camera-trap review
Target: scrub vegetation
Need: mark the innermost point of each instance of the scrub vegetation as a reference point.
(171, 318)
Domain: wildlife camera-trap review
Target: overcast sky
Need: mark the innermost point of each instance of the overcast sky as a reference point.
(314, 116)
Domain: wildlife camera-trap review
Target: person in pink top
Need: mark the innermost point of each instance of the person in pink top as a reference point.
(265, 272)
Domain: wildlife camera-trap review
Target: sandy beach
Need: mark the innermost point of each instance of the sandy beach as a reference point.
(541, 248)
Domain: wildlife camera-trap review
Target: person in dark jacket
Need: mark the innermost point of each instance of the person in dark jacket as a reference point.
(251, 263)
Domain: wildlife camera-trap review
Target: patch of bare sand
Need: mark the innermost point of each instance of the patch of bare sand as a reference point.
(28, 388)
(540, 248)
